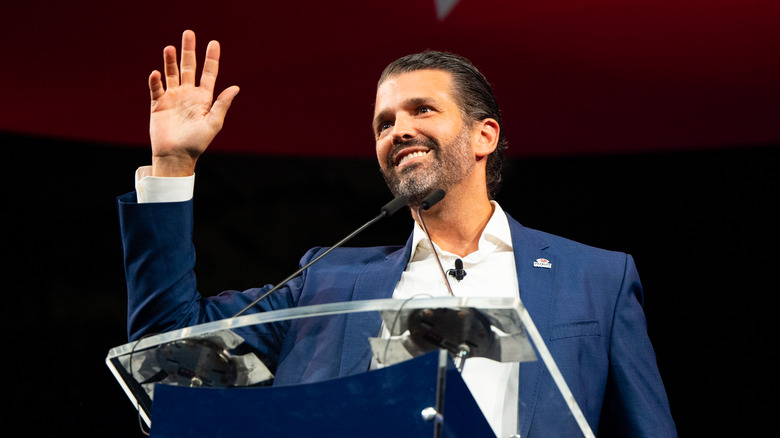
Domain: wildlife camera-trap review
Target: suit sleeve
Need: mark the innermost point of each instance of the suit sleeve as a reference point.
(635, 403)
(159, 258)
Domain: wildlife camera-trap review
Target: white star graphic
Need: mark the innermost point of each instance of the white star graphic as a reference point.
(444, 7)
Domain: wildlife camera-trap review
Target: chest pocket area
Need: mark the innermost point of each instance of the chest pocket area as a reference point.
(574, 330)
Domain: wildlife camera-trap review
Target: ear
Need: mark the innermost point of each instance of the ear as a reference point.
(485, 137)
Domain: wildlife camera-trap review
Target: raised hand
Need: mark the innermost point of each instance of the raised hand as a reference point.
(184, 116)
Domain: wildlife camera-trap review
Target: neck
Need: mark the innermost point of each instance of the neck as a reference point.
(457, 222)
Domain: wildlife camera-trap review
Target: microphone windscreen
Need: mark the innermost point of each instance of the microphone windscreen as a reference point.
(432, 199)
(396, 204)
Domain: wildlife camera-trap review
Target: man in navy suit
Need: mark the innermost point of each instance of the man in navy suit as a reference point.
(437, 125)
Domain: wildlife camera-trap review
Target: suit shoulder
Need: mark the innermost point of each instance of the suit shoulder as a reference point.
(575, 246)
(352, 254)
(565, 246)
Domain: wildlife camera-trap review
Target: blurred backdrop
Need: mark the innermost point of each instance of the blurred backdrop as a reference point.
(650, 128)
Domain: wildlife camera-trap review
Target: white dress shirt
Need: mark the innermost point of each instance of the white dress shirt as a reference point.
(490, 272)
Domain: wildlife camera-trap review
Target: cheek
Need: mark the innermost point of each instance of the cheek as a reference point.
(382, 149)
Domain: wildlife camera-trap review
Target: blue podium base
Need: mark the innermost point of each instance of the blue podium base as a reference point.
(381, 403)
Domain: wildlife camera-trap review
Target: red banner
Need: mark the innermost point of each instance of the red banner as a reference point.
(575, 76)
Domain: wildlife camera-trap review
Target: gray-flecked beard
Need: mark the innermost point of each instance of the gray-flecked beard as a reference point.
(449, 167)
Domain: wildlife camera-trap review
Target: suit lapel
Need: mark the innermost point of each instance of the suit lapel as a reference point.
(377, 280)
(536, 291)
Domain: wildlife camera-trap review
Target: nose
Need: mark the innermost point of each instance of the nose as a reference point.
(403, 128)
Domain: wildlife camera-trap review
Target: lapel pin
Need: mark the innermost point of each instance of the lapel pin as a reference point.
(542, 263)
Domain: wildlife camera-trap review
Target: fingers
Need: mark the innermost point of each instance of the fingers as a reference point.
(171, 68)
(210, 67)
(188, 58)
(185, 75)
(155, 85)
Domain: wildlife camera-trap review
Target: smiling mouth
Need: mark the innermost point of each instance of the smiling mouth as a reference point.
(411, 155)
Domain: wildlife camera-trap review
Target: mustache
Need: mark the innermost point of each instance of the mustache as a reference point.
(399, 145)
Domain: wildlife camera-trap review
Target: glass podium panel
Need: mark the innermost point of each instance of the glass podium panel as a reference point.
(204, 356)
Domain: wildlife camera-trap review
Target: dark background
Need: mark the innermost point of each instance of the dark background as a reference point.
(701, 225)
(648, 126)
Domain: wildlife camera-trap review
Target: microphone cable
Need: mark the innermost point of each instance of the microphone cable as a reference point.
(427, 203)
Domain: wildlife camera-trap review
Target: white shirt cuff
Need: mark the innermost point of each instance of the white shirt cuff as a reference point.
(150, 188)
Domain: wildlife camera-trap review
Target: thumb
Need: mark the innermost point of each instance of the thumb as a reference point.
(221, 105)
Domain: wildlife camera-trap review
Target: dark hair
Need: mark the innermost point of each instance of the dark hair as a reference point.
(473, 94)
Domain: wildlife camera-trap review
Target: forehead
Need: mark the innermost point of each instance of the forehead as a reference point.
(398, 89)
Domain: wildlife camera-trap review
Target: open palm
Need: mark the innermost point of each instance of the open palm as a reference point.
(184, 117)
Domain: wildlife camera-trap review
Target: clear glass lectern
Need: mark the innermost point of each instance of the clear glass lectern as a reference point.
(187, 369)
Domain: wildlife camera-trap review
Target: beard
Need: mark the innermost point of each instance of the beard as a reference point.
(449, 166)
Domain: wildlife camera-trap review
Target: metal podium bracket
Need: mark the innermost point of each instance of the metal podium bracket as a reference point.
(463, 331)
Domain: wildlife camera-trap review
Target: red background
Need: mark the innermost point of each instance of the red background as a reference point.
(571, 76)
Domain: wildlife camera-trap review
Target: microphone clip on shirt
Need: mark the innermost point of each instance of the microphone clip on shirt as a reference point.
(459, 273)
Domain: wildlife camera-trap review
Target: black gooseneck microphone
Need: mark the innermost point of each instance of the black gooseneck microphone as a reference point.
(432, 199)
(386, 211)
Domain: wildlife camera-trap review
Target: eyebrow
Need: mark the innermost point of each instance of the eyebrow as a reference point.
(411, 102)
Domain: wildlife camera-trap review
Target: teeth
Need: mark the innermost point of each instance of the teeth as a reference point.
(412, 155)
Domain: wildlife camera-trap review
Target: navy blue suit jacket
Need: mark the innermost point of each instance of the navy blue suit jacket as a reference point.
(587, 306)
